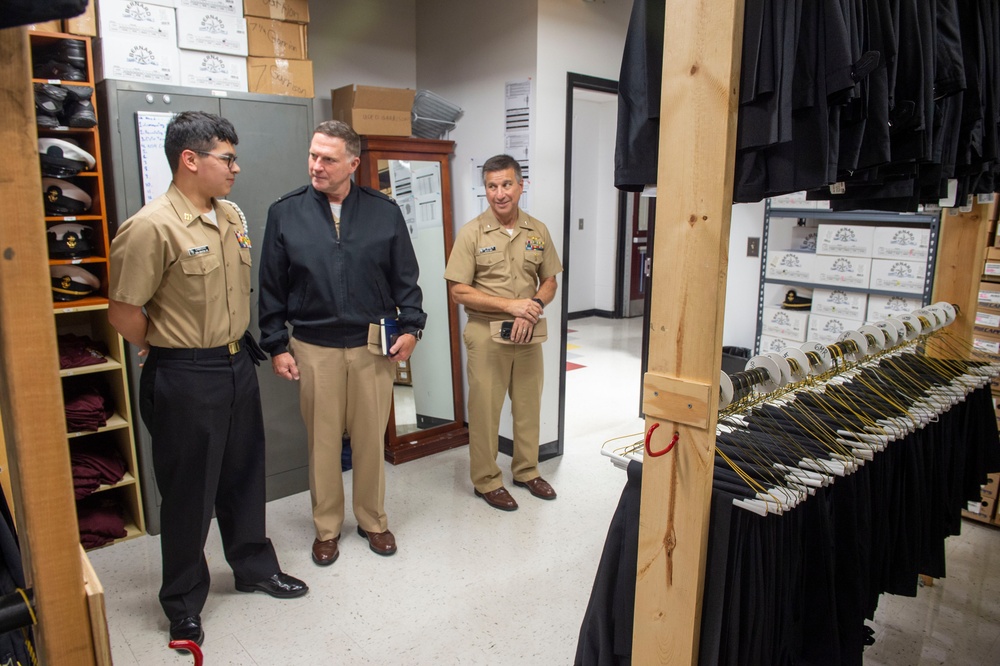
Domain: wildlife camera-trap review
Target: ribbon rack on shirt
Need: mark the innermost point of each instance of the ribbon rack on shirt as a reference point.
(839, 471)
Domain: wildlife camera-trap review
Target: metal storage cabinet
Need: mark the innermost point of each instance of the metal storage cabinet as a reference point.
(274, 134)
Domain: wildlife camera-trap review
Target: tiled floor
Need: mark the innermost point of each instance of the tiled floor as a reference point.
(472, 585)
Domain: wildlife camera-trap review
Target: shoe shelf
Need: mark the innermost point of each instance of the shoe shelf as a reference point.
(86, 315)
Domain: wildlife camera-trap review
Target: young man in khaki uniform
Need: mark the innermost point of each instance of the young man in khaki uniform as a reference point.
(503, 267)
(185, 259)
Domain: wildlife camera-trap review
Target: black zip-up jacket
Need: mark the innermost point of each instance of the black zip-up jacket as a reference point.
(330, 289)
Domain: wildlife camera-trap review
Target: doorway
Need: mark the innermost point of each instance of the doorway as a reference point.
(594, 217)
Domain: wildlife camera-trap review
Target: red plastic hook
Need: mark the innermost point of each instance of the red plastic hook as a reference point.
(191, 647)
(649, 435)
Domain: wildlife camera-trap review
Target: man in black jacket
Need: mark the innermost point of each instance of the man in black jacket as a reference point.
(336, 259)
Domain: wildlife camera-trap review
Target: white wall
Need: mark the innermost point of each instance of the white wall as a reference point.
(743, 281)
(606, 216)
(581, 277)
(590, 278)
(371, 42)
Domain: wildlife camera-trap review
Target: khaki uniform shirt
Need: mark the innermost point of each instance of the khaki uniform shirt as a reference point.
(192, 277)
(486, 257)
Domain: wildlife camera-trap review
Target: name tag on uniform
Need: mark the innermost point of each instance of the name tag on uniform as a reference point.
(198, 250)
(484, 250)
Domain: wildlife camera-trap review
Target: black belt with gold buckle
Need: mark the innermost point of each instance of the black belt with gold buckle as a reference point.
(225, 351)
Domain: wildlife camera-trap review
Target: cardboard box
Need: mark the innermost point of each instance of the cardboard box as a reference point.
(268, 38)
(987, 323)
(842, 271)
(986, 344)
(892, 275)
(795, 266)
(797, 200)
(215, 71)
(992, 267)
(280, 76)
(989, 296)
(134, 20)
(137, 59)
(828, 329)
(840, 303)
(230, 7)
(208, 31)
(787, 324)
(845, 240)
(883, 307)
(295, 11)
(85, 24)
(909, 243)
(373, 110)
(804, 239)
(992, 486)
(777, 345)
(47, 26)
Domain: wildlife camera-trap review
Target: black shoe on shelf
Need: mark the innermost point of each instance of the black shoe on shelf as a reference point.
(70, 51)
(59, 70)
(79, 113)
(49, 99)
(78, 92)
(46, 121)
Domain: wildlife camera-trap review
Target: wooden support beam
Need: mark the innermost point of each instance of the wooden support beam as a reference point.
(961, 253)
(34, 421)
(698, 112)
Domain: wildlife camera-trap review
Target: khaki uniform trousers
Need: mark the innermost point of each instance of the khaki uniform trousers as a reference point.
(495, 370)
(345, 390)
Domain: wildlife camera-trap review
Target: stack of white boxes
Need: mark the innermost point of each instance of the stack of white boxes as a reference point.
(212, 38)
(782, 328)
(843, 264)
(195, 43)
(137, 42)
(899, 263)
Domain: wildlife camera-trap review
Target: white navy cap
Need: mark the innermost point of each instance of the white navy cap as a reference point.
(70, 282)
(61, 158)
(70, 239)
(64, 198)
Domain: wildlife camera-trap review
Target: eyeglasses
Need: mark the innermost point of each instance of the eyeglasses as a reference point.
(230, 160)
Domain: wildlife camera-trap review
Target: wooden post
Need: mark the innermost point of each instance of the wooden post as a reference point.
(961, 254)
(33, 418)
(699, 103)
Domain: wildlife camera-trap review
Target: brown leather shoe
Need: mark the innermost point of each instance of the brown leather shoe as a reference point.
(538, 487)
(381, 543)
(326, 552)
(499, 499)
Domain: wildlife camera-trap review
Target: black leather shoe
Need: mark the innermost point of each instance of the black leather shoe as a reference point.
(187, 629)
(279, 586)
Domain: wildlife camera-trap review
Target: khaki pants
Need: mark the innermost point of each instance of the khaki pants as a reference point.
(494, 371)
(345, 389)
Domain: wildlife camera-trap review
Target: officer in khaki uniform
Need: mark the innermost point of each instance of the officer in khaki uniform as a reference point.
(185, 259)
(503, 267)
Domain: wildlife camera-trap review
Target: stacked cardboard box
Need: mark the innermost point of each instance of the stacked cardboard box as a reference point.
(986, 338)
(278, 61)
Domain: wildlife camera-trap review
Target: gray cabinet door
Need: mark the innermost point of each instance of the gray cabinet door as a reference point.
(274, 137)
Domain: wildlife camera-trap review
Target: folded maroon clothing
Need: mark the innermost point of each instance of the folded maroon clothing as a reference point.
(102, 518)
(87, 408)
(77, 351)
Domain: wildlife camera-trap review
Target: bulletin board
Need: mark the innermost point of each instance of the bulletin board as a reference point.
(156, 175)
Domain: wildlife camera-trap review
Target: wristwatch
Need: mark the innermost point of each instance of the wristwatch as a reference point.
(539, 301)
(418, 334)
